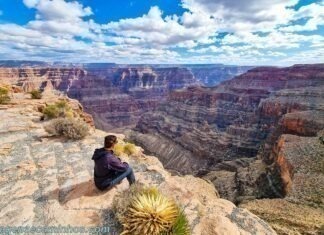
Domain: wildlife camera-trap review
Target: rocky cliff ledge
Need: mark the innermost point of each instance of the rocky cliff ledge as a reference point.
(47, 181)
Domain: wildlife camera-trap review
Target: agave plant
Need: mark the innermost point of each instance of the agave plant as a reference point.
(150, 213)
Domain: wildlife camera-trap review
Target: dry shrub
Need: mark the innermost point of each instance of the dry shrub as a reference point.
(4, 95)
(36, 94)
(59, 109)
(126, 148)
(70, 128)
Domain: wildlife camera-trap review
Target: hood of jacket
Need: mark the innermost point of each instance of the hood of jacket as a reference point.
(99, 153)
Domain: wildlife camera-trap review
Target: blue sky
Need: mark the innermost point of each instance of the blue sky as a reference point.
(245, 32)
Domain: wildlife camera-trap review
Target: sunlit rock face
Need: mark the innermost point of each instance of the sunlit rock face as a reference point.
(227, 133)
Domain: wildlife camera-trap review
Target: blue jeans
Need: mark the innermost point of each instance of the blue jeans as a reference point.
(129, 174)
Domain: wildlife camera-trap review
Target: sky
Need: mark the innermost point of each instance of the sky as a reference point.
(241, 32)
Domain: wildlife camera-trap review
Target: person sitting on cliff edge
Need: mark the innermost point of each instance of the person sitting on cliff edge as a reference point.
(109, 170)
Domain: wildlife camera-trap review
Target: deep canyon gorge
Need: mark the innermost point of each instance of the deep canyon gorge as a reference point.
(255, 133)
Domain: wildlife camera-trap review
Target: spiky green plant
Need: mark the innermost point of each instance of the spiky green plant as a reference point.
(149, 213)
(180, 227)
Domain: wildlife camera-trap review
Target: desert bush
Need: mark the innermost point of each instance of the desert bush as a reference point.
(127, 148)
(119, 149)
(70, 128)
(142, 210)
(4, 95)
(36, 94)
(59, 109)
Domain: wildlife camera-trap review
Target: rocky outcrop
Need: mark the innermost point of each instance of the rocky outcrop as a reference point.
(300, 162)
(287, 217)
(47, 182)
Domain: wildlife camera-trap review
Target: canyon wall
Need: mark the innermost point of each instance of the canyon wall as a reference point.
(227, 133)
(212, 75)
(116, 97)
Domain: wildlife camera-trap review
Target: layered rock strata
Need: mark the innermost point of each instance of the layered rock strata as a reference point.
(116, 97)
(200, 130)
(212, 75)
(259, 135)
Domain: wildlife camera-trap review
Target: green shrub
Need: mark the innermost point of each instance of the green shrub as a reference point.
(59, 109)
(36, 94)
(127, 148)
(142, 210)
(180, 227)
(119, 149)
(4, 95)
(70, 128)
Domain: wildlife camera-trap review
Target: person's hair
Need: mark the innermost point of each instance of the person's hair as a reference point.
(110, 140)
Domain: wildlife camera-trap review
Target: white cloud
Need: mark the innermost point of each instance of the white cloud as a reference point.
(61, 18)
(61, 10)
(314, 13)
(31, 3)
(271, 40)
(259, 32)
(155, 30)
(244, 15)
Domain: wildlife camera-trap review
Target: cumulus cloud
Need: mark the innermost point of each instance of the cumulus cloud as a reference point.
(59, 17)
(209, 31)
(155, 30)
(244, 15)
(61, 10)
(314, 15)
(31, 3)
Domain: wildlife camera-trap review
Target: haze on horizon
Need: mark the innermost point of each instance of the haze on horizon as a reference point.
(246, 32)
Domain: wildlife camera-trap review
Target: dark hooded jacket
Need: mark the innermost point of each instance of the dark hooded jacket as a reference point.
(107, 166)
